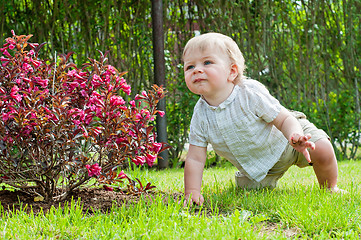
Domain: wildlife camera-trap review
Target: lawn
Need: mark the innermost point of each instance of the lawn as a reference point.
(295, 209)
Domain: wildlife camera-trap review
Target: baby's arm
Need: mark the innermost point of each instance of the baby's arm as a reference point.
(292, 130)
(193, 172)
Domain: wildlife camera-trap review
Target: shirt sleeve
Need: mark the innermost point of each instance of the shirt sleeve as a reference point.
(263, 103)
(197, 135)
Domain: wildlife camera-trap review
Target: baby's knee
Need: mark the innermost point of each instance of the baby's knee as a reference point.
(323, 152)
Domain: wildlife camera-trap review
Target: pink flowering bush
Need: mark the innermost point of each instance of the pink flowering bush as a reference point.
(61, 125)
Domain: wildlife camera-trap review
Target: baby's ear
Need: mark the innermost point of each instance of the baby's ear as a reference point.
(233, 72)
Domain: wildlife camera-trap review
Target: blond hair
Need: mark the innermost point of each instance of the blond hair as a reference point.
(223, 42)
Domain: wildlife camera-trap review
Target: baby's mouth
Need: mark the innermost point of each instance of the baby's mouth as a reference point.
(198, 80)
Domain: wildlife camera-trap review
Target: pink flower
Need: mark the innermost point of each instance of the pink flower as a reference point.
(8, 139)
(98, 112)
(110, 88)
(126, 88)
(72, 73)
(93, 170)
(121, 140)
(84, 93)
(83, 84)
(141, 96)
(98, 130)
(32, 115)
(107, 79)
(33, 45)
(150, 159)
(139, 160)
(11, 40)
(4, 64)
(82, 74)
(6, 53)
(138, 117)
(116, 101)
(132, 103)
(43, 82)
(131, 133)
(85, 134)
(122, 175)
(146, 113)
(3, 59)
(26, 59)
(47, 110)
(95, 99)
(97, 78)
(26, 130)
(88, 119)
(108, 188)
(26, 67)
(111, 69)
(76, 112)
(36, 63)
(96, 81)
(14, 94)
(6, 116)
(79, 77)
(73, 85)
(25, 79)
(160, 93)
(161, 113)
(13, 32)
(157, 147)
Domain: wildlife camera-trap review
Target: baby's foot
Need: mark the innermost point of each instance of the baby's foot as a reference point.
(335, 189)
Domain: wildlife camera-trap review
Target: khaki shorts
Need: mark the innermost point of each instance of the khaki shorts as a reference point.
(288, 158)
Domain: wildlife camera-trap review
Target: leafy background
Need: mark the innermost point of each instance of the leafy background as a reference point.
(306, 52)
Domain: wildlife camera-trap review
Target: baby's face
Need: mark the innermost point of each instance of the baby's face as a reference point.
(207, 72)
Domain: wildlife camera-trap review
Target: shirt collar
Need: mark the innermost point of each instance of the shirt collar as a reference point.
(226, 102)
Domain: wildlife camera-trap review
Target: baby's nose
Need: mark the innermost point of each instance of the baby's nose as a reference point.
(198, 69)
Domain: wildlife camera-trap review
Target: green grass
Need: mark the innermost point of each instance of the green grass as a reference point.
(295, 209)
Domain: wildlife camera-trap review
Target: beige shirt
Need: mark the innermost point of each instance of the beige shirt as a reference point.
(239, 130)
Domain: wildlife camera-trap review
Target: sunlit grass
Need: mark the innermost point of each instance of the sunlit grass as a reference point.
(297, 208)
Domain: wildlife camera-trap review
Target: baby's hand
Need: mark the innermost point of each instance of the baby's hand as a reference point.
(301, 144)
(196, 198)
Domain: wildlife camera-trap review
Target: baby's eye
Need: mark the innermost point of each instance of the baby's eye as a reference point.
(189, 67)
(207, 62)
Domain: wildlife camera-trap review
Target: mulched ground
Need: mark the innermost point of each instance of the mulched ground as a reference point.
(91, 200)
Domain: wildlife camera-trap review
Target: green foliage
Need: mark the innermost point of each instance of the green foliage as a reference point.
(340, 115)
(122, 27)
(301, 50)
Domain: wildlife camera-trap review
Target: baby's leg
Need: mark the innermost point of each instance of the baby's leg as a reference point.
(322, 157)
(325, 164)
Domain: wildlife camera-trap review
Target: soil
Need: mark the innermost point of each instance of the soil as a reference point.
(91, 200)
